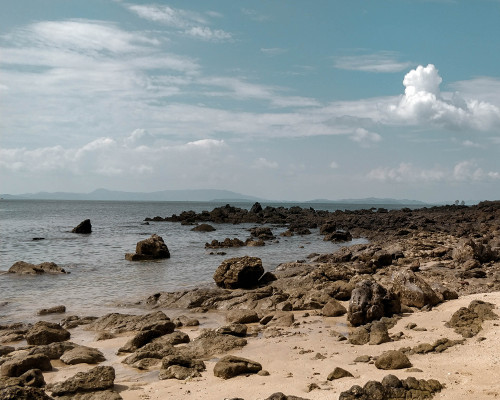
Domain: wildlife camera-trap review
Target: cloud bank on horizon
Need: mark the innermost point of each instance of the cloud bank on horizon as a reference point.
(167, 97)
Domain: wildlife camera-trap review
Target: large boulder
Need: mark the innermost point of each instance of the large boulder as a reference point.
(19, 365)
(392, 359)
(231, 366)
(82, 354)
(45, 333)
(239, 272)
(84, 227)
(412, 290)
(24, 268)
(153, 248)
(118, 323)
(32, 378)
(96, 379)
(370, 301)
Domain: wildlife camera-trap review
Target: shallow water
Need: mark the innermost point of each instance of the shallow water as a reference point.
(100, 277)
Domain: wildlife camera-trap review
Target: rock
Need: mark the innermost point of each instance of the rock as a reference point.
(338, 237)
(469, 249)
(53, 350)
(45, 333)
(242, 316)
(187, 362)
(281, 318)
(239, 272)
(392, 359)
(96, 379)
(23, 393)
(119, 323)
(147, 335)
(203, 228)
(333, 309)
(19, 365)
(359, 335)
(338, 373)
(226, 243)
(468, 321)
(370, 301)
(73, 321)
(52, 310)
(181, 367)
(82, 354)
(230, 366)
(24, 268)
(413, 291)
(183, 320)
(391, 388)
(153, 248)
(84, 227)
(99, 395)
(210, 343)
(4, 350)
(263, 233)
(267, 278)
(281, 396)
(379, 333)
(239, 330)
(32, 378)
(178, 372)
(256, 208)
(443, 292)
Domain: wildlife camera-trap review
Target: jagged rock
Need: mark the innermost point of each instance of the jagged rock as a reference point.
(369, 302)
(147, 335)
(54, 350)
(333, 309)
(392, 359)
(412, 290)
(82, 354)
(24, 268)
(84, 227)
(338, 373)
(181, 367)
(52, 310)
(242, 316)
(153, 248)
(183, 320)
(119, 323)
(96, 379)
(210, 343)
(263, 233)
(379, 333)
(239, 330)
(45, 333)
(469, 249)
(230, 366)
(73, 321)
(226, 243)
(203, 228)
(468, 321)
(239, 272)
(391, 388)
(19, 365)
(23, 393)
(32, 377)
(338, 237)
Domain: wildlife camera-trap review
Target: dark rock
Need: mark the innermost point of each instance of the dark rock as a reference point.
(23, 393)
(4, 350)
(96, 379)
(181, 367)
(338, 373)
(19, 365)
(203, 228)
(45, 333)
(242, 316)
(153, 248)
(225, 244)
(281, 396)
(183, 320)
(84, 227)
(239, 272)
(333, 309)
(82, 354)
(54, 350)
(379, 333)
(33, 378)
(338, 237)
(268, 277)
(263, 233)
(468, 321)
(412, 290)
(147, 335)
(239, 330)
(256, 208)
(52, 310)
(24, 268)
(231, 366)
(369, 302)
(392, 359)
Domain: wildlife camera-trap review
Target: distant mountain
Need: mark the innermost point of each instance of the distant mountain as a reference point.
(164, 195)
(371, 201)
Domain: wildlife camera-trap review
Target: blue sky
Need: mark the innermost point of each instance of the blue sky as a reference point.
(290, 100)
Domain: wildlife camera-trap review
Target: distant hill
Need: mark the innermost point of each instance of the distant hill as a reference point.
(164, 195)
(371, 201)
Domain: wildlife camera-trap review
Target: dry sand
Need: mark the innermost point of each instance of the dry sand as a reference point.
(469, 371)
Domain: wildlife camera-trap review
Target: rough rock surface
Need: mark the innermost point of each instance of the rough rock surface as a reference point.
(19, 365)
(32, 378)
(82, 354)
(338, 373)
(467, 321)
(153, 248)
(45, 333)
(333, 309)
(369, 302)
(119, 323)
(24, 268)
(239, 272)
(231, 366)
(413, 291)
(203, 228)
(391, 388)
(52, 310)
(23, 393)
(54, 350)
(145, 336)
(282, 396)
(96, 379)
(84, 227)
(392, 359)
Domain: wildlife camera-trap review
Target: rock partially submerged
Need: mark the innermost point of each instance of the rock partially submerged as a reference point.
(153, 248)
(84, 227)
(24, 268)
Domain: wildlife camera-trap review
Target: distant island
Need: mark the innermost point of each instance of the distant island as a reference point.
(203, 195)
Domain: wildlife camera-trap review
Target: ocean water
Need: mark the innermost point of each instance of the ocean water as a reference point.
(100, 279)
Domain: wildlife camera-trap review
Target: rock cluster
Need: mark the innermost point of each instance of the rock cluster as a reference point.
(467, 321)
(24, 268)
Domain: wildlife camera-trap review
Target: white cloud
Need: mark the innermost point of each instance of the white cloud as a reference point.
(206, 144)
(408, 173)
(470, 143)
(384, 61)
(207, 34)
(364, 137)
(423, 103)
(334, 165)
(265, 164)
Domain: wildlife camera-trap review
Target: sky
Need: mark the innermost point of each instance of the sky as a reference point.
(284, 100)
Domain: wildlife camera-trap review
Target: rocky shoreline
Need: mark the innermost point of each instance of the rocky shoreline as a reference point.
(385, 299)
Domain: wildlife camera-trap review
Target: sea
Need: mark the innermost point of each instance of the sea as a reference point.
(100, 280)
